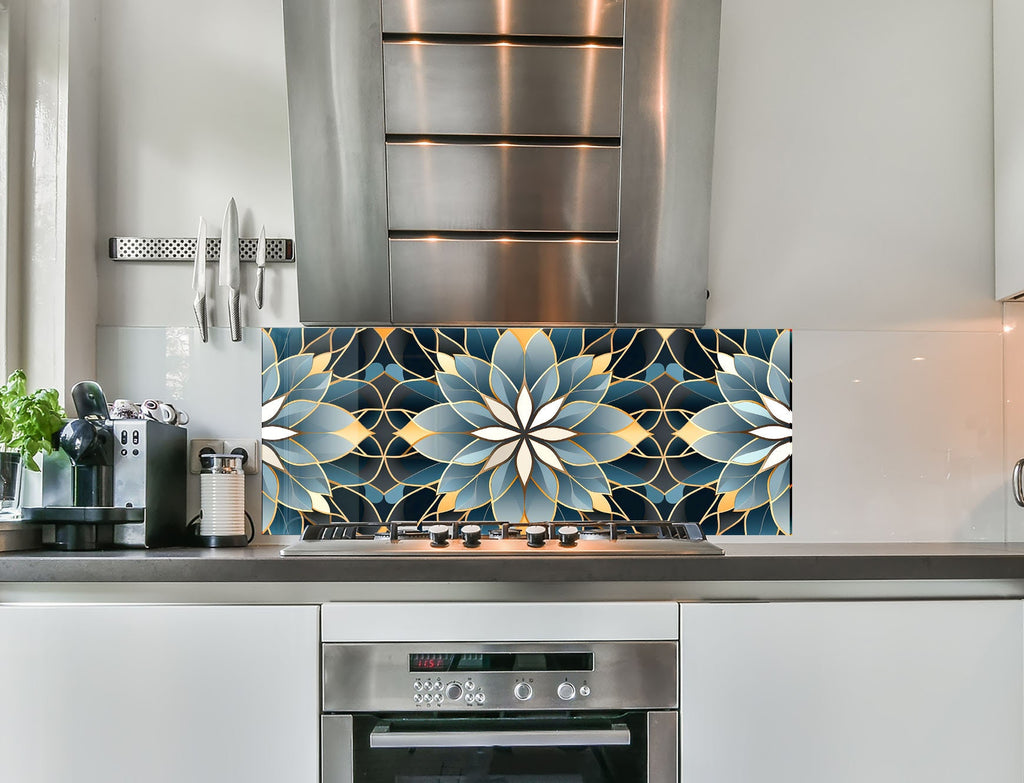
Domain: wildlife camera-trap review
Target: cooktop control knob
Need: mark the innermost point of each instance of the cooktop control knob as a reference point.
(535, 535)
(522, 691)
(438, 535)
(471, 535)
(566, 691)
(568, 535)
(453, 692)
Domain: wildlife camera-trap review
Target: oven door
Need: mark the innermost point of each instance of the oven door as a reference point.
(630, 747)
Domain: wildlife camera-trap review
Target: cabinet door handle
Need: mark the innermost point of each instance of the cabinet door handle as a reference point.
(1018, 486)
(382, 737)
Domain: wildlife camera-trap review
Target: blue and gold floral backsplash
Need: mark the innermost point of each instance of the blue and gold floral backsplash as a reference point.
(527, 425)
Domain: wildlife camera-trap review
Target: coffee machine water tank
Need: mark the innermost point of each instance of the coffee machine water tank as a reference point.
(150, 464)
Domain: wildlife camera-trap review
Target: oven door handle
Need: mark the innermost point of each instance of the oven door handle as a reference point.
(383, 737)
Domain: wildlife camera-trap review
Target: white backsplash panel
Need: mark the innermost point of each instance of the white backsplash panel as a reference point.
(216, 383)
(899, 436)
(1013, 394)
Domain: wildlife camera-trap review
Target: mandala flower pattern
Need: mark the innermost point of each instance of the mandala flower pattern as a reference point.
(746, 434)
(305, 433)
(523, 432)
(379, 424)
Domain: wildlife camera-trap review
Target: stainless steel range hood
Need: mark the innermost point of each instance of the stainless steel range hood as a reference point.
(502, 161)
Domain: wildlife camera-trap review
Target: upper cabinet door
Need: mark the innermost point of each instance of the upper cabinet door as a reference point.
(1008, 107)
(502, 161)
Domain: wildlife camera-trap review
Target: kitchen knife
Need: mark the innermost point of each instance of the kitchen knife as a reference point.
(229, 275)
(199, 281)
(261, 262)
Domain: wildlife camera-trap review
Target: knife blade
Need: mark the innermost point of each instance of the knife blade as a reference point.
(199, 281)
(229, 274)
(261, 262)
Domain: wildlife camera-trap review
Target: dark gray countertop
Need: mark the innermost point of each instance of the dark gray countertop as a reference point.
(743, 562)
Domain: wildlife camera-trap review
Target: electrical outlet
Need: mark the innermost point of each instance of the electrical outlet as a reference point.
(249, 448)
(197, 446)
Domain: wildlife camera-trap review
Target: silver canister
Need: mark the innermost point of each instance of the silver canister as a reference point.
(222, 498)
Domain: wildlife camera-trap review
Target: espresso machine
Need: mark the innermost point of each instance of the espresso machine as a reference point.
(112, 483)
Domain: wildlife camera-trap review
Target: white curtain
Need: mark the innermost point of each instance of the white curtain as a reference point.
(48, 247)
(5, 113)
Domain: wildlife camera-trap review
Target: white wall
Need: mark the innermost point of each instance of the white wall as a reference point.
(853, 166)
(193, 112)
(852, 202)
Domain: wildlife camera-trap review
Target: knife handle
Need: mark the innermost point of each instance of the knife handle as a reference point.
(234, 317)
(199, 306)
(258, 294)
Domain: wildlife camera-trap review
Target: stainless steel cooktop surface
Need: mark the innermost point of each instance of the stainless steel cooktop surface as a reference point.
(469, 539)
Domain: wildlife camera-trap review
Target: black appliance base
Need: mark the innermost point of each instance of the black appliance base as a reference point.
(89, 515)
(220, 541)
(82, 528)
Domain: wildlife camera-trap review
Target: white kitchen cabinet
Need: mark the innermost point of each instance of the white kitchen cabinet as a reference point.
(161, 694)
(1008, 130)
(848, 692)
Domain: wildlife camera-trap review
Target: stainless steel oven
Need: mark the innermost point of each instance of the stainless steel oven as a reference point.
(516, 712)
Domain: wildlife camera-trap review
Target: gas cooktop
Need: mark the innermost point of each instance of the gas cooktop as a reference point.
(548, 539)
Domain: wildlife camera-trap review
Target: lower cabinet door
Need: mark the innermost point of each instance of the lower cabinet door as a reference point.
(161, 694)
(849, 692)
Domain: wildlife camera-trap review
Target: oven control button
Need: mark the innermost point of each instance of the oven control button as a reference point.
(470, 535)
(584, 690)
(438, 535)
(417, 686)
(453, 691)
(522, 691)
(536, 535)
(566, 691)
(417, 699)
(479, 698)
(470, 685)
(438, 698)
(469, 698)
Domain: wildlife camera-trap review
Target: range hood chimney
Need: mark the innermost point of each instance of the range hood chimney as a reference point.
(502, 161)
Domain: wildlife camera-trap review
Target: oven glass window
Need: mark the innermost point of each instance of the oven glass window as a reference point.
(481, 758)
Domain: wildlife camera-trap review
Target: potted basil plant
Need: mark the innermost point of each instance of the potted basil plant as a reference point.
(28, 423)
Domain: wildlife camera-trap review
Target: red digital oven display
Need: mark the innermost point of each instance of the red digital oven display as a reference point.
(430, 662)
(502, 662)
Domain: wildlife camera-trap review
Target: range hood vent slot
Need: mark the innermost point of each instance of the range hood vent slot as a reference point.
(566, 18)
